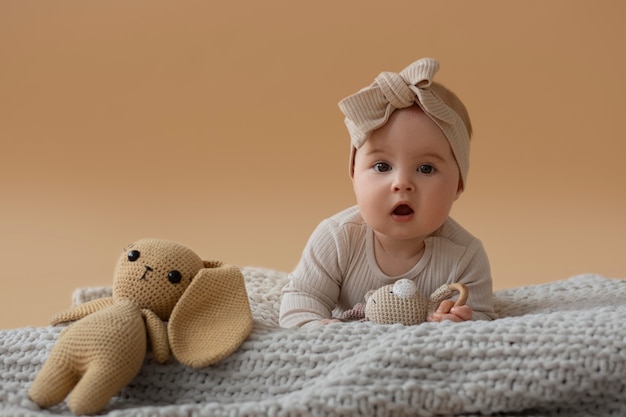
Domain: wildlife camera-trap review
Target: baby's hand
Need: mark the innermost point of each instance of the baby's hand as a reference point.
(447, 311)
(328, 321)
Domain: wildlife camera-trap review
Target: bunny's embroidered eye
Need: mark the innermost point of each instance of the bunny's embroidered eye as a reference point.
(133, 255)
(174, 277)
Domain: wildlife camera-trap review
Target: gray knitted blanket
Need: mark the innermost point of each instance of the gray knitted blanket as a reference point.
(558, 349)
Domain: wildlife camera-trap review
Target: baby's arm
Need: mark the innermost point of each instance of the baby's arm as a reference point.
(313, 288)
(471, 269)
(475, 273)
(301, 306)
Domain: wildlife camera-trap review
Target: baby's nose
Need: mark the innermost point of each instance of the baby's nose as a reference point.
(403, 183)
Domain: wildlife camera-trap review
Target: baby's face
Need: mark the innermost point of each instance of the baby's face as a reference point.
(406, 178)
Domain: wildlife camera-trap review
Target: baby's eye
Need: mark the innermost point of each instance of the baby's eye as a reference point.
(174, 277)
(381, 167)
(426, 169)
(133, 255)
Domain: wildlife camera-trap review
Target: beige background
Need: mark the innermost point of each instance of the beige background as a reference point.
(215, 124)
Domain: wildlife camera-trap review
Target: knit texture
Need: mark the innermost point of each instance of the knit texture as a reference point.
(557, 349)
(211, 321)
(107, 349)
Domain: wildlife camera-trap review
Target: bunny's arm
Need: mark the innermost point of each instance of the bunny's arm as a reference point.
(81, 310)
(157, 332)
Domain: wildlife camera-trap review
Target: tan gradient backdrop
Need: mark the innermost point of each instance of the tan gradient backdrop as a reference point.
(215, 124)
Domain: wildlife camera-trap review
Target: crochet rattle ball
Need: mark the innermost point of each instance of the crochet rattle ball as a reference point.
(401, 302)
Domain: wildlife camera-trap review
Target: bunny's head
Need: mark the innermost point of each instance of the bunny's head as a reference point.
(154, 274)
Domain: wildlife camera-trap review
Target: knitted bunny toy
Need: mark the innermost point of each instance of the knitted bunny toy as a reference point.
(401, 302)
(154, 281)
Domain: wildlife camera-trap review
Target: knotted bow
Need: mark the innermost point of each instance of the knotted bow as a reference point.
(370, 108)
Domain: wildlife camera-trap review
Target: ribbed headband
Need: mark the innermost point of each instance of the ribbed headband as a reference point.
(370, 108)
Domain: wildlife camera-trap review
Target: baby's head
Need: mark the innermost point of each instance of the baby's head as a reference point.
(371, 107)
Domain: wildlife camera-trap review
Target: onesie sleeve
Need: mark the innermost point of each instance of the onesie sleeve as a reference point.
(314, 285)
(474, 271)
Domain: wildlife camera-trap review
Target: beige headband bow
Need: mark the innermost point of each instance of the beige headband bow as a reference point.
(370, 108)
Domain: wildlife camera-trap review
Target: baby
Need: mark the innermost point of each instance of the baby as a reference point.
(408, 163)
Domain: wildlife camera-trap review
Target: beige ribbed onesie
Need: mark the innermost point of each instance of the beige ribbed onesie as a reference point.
(338, 267)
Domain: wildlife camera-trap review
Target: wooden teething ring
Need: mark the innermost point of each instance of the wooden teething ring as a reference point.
(463, 293)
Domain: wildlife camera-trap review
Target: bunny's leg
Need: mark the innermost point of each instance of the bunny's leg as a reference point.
(99, 384)
(53, 382)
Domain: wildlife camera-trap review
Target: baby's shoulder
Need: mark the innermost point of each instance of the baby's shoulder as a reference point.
(343, 227)
(456, 234)
(348, 218)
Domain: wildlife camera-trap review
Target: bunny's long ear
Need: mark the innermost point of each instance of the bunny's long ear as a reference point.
(212, 318)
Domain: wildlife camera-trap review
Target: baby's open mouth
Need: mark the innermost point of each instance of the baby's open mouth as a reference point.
(403, 210)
